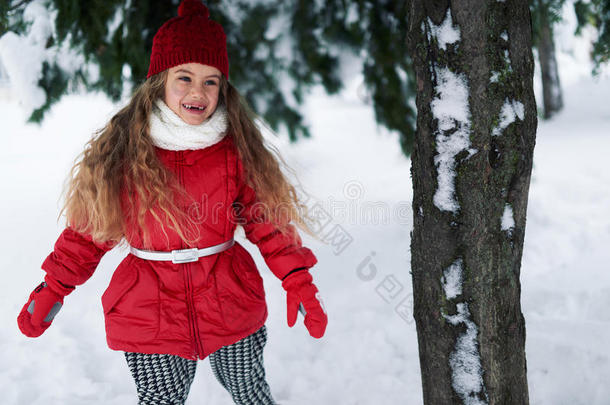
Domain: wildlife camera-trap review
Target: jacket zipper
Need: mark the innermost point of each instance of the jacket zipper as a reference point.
(191, 305)
(198, 347)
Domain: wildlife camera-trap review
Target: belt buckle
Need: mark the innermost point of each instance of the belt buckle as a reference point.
(185, 255)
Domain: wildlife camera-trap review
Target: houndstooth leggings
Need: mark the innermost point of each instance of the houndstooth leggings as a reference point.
(165, 379)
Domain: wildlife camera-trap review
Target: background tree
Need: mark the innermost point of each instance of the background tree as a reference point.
(279, 50)
(471, 168)
(115, 38)
(283, 48)
(545, 14)
(368, 29)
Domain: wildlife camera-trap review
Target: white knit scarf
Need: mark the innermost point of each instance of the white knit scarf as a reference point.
(169, 131)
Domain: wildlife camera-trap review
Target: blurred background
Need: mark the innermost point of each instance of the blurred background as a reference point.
(333, 80)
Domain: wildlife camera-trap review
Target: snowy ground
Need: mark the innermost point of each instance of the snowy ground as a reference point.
(565, 274)
(369, 353)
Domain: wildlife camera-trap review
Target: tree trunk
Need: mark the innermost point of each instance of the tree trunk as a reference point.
(471, 168)
(551, 87)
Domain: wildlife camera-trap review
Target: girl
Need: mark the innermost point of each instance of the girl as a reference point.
(172, 174)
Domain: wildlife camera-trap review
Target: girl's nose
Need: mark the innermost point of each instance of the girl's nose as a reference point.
(197, 92)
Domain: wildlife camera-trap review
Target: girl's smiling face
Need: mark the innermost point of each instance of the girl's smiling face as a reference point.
(191, 91)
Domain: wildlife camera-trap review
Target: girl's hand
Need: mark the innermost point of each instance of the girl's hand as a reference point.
(38, 313)
(301, 290)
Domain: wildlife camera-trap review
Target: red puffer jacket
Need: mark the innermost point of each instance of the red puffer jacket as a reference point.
(188, 309)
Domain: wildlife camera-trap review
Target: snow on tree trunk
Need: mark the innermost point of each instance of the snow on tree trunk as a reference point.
(551, 87)
(471, 170)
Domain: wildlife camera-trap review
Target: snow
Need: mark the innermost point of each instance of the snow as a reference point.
(508, 220)
(511, 110)
(23, 56)
(352, 14)
(37, 15)
(451, 110)
(465, 361)
(369, 354)
(452, 279)
(507, 60)
(450, 107)
(115, 22)
(445, 33)
(25, 76)
(371, 331)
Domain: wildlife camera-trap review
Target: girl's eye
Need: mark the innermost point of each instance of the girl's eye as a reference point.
(210, 82)
(185, 78)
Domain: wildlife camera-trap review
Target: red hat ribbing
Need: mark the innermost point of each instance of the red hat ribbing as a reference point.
(190, 37)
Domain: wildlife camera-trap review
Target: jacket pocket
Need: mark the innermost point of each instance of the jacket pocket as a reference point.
(240, 292)
(245, 269)
(131, 303)
(123, 279)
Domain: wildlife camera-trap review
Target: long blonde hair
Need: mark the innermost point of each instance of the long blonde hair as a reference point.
(120, 161)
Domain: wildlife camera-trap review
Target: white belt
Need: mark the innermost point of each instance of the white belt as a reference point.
(181, 255)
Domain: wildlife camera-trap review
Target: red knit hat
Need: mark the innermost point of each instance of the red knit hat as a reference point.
(190, 37)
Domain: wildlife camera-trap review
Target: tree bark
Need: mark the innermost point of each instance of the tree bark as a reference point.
(552, 98)
(471, 168)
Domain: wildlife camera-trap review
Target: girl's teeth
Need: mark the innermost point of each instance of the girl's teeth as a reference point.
(191, 107)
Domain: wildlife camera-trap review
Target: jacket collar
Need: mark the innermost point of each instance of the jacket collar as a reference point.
(190, 156)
